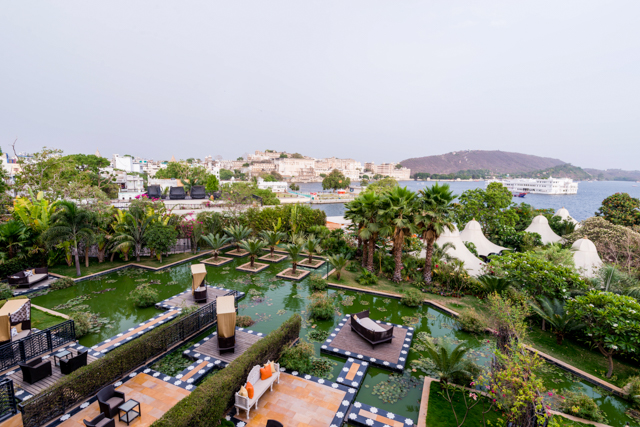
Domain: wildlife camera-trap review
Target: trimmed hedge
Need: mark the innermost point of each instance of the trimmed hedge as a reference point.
(206, 405)
(264, 219)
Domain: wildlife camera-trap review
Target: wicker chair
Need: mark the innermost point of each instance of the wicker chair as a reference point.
(100, 421)
(109, 400)
(22, 280)
(68, 366)
(176, 193)
(154, 192)
(198, 192)
(372, 332)
(36, 370)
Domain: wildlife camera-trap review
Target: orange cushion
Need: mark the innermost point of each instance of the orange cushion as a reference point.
(265, 373)
(268, 366)
(249, 388)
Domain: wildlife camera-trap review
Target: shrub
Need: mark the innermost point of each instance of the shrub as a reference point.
(412, 298)
(633, 389)
(298, 357)
(581, 405)
(244, 321)
(321, 307)
(82, 321)
(144, 296)
(471, 321)
(367, 278)
(62, 283)
(353, 267)
(317, 283)
(5, 291)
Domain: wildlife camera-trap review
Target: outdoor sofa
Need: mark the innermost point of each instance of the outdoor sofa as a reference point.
(154, 192)
(28, 278)
(77, 362)
(198, 192)
(36, 370)
(176, 193)
(372, 332)
(260, 386)
(109, 399)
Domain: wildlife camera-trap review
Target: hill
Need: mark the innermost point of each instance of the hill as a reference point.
(563, 171)
(498, 162)
(614, 175)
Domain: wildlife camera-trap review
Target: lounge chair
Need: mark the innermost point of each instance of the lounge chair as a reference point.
(372, 332)
(274, 423)
(100, 421)
(70, 365)
(29, 277)
(109, 400)
(176, 193)
(198, 192)
(154, 192)
(36, 370)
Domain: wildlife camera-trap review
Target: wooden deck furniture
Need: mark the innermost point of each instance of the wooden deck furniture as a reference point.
(260, 386)
(35, 370)
(109, 400)
(77, 362)
(29, 277)
(372, 332)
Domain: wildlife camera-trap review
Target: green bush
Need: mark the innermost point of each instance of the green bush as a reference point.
(412, 298)
(144, 296)
(82, 321)
(62, 283)
(367, 278)
(206, 405)
(298, 357)
(581, 405)
(633, 389)
(317, 283)
(264, 219)
(244, 321)
(471, 321)
(5, 291)
(321, 307)
(353, 267)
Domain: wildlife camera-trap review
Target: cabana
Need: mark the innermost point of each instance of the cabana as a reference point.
(473, 233)
(154, 192)
(564, 214)
(199, 285)
(586, 258)
(198, 192)
(540, 225)
(15, 320)
(176, 193)
(226, 313)
(472, 264)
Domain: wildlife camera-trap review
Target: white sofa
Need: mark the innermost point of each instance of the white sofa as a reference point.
(259, 388)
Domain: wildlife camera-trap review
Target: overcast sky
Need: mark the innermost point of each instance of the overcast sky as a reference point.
(371, 80)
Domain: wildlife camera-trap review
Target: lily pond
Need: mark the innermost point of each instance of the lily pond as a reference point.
(269, 301)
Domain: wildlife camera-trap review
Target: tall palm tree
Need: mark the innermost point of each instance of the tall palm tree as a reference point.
(13, 236)
(449, 360)
(133, 230)
(294, 252)
(371, 227)
(354, 211)
(338, 262)
(434, 217)
(273, 239)
(398, 209)
(238, 233)
(254, 247)
(70, 223)
(312, 245)
(555, 313)
(216, 242)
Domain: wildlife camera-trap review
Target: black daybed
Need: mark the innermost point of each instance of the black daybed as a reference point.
(28, 278)
(198, 192)
(372, 332)
(154, 192)
(176, 193)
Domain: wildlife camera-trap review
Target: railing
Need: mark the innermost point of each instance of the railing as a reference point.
(36, 344)
(194, 206)
(7, 400)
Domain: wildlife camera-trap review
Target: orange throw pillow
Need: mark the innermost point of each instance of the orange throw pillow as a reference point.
(249, 388)
(268, 366)
(265, 373)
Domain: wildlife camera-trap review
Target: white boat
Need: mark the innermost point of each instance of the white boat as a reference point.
(538, 186)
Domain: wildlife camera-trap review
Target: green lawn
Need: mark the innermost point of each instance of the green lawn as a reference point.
(96, 267)
(42, 320)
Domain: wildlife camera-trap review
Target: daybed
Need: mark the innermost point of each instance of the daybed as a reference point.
(36, 370)
(198, 192)
(199, 285)
(226, 315)
(176, 193)
(100, 421)
(28, 278)
(154, 192)
(15, 320)
(70, 365)
(109, 399)
(260, 386)
(372, 332)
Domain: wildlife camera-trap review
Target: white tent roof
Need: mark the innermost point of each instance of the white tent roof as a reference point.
(473, 233)
(564, 214)
(472, 264)
(540, 225)
(586, 258)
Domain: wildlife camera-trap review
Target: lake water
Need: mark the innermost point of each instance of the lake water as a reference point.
(581, 206)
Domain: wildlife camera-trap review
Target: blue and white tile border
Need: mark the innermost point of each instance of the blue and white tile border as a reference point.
(356, 418)
(360, 374)
(193, 354)
(164, 304)
(396, 365)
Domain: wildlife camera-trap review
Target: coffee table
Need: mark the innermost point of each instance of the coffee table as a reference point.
(64, 354)
(130, 413)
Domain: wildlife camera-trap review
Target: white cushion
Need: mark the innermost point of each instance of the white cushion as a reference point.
(36, 277)
(28, 273)
(371, 325)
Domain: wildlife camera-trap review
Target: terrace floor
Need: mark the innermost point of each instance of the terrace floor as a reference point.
(210, 348)
(185, 299)
(296, 402)
(155, 396)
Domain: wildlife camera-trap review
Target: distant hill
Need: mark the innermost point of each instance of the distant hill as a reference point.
(614, 175)
(563, 171)
(498, 162)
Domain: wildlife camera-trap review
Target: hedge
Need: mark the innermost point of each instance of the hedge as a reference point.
(206, 405)
(266, 218)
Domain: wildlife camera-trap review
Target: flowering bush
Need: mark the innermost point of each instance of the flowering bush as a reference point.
(581, 405)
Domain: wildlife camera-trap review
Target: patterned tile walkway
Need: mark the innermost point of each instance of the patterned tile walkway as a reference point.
(155, 396)
(296, 402)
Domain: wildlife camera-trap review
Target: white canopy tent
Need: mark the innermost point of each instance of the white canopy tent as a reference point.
(564, 214)
(540, 225)
(472, 264)
(586, 258)
(473, 233)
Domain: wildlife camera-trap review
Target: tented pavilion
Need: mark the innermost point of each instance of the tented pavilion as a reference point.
(586, 258)
(564, 214)
(226, 314)
(199, 286)
(540, 225)
(473, 233)
(472, 264)
(15, 320)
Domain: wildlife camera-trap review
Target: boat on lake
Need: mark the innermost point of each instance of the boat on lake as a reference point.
(551, 185)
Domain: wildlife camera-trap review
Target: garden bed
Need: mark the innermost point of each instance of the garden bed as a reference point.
(257, 267)
(217, 263)
(273, 259)
(288, 274)
(315, 263)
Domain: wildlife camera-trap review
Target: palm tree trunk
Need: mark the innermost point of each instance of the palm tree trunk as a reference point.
(338, 272)
(215, 255)
(559, 338)
(295, 265)
(86, 256)
(370, 254)
(310, 257)
(428, 260)
(365, 247)
(77, 258)
(138, 248)
(272, 249)
(397, 273)
(113, 254)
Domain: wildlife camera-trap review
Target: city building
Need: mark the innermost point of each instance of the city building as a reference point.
(388, 169)
(275, 186)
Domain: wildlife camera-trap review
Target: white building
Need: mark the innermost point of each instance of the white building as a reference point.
(276, 186)
(126, 163)
(388, 169)
(539, 186)
(299, 168)
(350, 168)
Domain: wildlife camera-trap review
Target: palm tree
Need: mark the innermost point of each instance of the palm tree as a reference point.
(70, 223)
(371, 227)
(441, 253)
(216, 242)
(398, 211)
(448, 360)
(238, 233)
(491, 284)
(435, 208)
(13, 236)
(273, 239)
(254, 247)
(555, 312)
(338, 262)
(355, 212)
(294, 252)
(133, 230)
(312, 245)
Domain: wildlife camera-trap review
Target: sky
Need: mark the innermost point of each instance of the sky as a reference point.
(371, 80)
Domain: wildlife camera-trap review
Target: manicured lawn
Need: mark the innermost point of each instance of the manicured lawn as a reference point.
(96, 267)
(42, 320)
